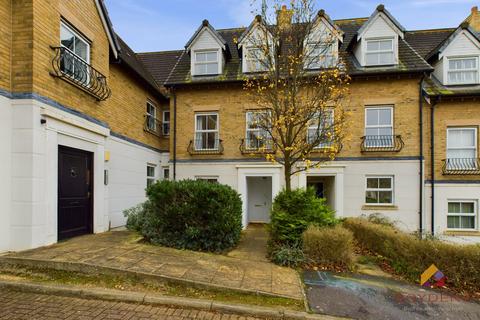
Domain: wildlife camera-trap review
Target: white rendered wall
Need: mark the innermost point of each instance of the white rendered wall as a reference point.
(5, 172)
(349, 184)
(443, 193)
(128, 176)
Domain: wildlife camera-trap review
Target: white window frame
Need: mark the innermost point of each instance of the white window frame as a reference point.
(448, 71)
(320, 62)
(211, 179)
(78, 36)
(475, 147)
(197, 131)
(474, 214)
(393, 51)
(254, 64)
(151, 179)
(315, 127)
(196, 63)
(392, 189)
(165, 131)
(166, 177)
(259, 130)
(378, 126)
(151, 118)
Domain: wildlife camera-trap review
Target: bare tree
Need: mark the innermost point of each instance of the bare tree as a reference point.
(299, 84)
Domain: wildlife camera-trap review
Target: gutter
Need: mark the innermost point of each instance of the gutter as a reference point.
(421, 172)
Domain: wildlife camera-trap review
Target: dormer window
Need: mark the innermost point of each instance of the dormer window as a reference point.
(255, 60)
(206, 62)
(380, 52)
(462, 70)
(320, 55)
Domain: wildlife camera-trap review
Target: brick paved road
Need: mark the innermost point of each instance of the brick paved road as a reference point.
(28, 306)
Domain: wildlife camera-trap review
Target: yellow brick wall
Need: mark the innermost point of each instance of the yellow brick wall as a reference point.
(5, 43)
(449, 114)
(36, 27)
(231, 105)
(127, 106)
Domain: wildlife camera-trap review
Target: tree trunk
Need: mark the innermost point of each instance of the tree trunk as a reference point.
(288, 177)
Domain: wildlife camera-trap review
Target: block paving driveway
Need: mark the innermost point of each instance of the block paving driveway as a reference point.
(30, 306)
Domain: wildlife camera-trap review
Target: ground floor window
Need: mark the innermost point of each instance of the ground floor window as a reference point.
(462, 215)
(379, 190)
(207, 178)
(166, 173)
(150, 175)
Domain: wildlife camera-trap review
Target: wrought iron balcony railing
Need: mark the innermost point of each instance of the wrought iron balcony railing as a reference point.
(382, 143)
(205, 146)
(461, 166)
(153, 125)
(70, 67)
(257, 146)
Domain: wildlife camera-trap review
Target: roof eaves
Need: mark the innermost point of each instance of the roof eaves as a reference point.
(381, 9)
(107, 23)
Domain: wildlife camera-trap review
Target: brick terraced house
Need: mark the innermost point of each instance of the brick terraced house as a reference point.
(87, 124)
(81, 123)
(405, 86)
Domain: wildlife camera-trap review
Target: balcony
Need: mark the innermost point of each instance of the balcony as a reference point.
(382, 144)
(461, 166)
(73, 69)
(153, 126)
(256, 146)
(205, 147)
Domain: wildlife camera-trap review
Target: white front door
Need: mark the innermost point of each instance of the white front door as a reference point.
(259, 199)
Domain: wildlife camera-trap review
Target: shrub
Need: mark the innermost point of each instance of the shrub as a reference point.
(287, 255)
(378, 218)
(194, 215)
(411, 256)
(330, 247)
(292, 212)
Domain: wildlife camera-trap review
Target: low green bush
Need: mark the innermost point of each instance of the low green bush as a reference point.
(411, 256)
(293, 211)
(193, 215)
(328, 247)
(288, 256)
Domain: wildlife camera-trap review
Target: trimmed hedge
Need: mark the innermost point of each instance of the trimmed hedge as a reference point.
(293, 211)
(411, 256)
(329, 247)
(193, 215)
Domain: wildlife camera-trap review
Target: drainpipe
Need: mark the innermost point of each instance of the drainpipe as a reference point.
(421, 180)
(432, 160)
(174, 134)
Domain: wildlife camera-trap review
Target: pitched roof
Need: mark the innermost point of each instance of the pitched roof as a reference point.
(107, 24)
(160, 64)
(205, 24)
(127, 56)
(378, 10)
(433, 87)
(425, 41)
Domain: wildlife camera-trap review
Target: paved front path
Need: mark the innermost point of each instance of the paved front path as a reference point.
(123, 250)
(29, 306)
(253, 245)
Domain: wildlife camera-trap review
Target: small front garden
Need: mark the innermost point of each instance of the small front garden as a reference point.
(188, 214)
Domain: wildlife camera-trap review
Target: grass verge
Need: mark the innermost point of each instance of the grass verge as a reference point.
(125, 283)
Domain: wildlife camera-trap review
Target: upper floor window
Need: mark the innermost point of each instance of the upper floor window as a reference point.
(379, 127)
(461, 148)
(255, 59)
(257, 137)
(379, 52)
(151, 117)
(206, 62)
(206, 131)
(319, 56)
(462, 70)
(322, 128)
(462, 215)
(379, 190)
(166, 123)
(75, 63)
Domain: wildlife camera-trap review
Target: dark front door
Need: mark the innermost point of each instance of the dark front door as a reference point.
(75, 193)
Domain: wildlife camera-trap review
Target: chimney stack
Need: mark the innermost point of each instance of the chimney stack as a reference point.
(473, 19)
(284, 17)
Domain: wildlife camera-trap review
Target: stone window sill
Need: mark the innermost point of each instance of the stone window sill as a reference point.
(463, 233)
(381, 207)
